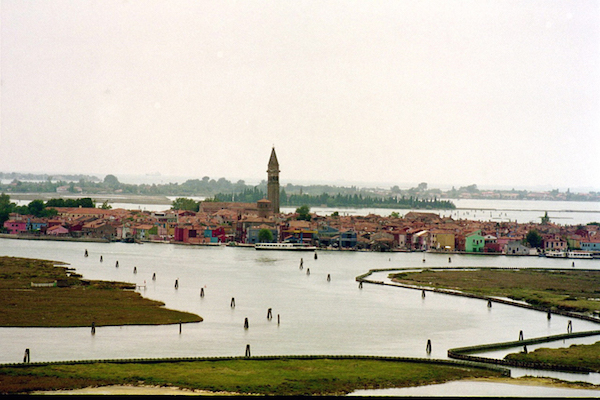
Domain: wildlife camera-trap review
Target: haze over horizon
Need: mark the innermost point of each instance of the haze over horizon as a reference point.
(498, 94)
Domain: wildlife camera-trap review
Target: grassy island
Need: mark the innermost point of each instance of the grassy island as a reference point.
(40, 293)
(273, 376)
(577, 355)
(569, 290)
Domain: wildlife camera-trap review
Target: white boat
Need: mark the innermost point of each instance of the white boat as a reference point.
(556, 254)
(284, 246)
(579, 254)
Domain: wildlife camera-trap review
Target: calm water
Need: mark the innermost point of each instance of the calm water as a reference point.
(316, 316)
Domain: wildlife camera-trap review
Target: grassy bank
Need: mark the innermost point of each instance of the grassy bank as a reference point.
(278, 376)
(73, 302)
(583, 355)
(575, 290)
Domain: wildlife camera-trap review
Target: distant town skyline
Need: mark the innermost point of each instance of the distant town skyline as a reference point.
(365, 93)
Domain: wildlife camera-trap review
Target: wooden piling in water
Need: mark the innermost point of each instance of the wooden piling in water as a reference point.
(117, 264)
(307, 271)
(246, 325)
(449, 259)
(176, 283)
(269, 314)
(570, 327)
(154, 276)
(520, 335)
(428, 347)
(232, 304)
(549, 314)
(93, 328)
(489, 304)
(328, 277)
(180, 327)
(100, 258)
(315, 255)
(86, 253)
(135, 270)
(278, 319)
(423, 294)
(360, 285)
(201, 292)
(26, 357)
(247, 350)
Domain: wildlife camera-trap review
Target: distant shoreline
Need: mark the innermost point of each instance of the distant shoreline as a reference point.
(98, 198)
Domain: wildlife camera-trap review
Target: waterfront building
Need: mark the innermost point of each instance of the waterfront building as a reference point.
(474, 242)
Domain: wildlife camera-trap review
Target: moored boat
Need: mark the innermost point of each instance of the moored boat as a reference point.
(284, 246)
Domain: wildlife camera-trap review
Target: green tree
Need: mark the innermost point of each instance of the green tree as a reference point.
(545, 218)
(303, 213)
(106, 206)
(6, 207)
(111, 181)
(533, 238)
(265, 236)
(36, 208)
(394, 214)
(183, 203)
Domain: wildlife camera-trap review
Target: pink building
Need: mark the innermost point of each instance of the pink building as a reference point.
(15, 226)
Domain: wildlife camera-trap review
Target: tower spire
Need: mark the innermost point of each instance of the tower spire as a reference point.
(273, 181)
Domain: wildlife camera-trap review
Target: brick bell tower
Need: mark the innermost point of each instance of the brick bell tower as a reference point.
(273, 182)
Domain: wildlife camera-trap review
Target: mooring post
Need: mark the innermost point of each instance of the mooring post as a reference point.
(247, 350)
(86, 253)
(572, 265)
(328, 277)
(520, 335)
(180, 327)
(117, 264)
(428, 347)
(135, 270)
(269, 314)
(154, 276)
(176, 283)
(232, 304)
(315, 255)
(423, 259)
(570, 327)
(307, 271)
(278, 319)
(449, 259)
(246, 323)
(201, 292)
(26, 358)
(93, 328)
(100, 258)
(301, 261)
(549, 314)
(360, 285)
(489, 303)
(423, 294)
(525, 349)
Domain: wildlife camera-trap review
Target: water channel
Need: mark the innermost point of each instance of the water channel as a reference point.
(316, 316)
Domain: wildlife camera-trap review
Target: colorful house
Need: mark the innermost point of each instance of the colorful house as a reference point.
(15, 227)
(474, 242)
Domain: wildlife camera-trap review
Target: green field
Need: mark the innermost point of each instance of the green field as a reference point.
(569, 290)
(279, 376)
(77, 303)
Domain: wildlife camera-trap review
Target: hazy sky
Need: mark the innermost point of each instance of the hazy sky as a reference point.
(390, 92)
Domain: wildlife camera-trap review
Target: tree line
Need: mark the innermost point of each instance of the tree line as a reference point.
(39, 208)
(252, 195)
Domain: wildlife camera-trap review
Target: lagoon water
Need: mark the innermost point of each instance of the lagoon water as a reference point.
(316, 316)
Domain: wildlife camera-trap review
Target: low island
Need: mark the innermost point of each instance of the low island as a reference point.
(40, 293)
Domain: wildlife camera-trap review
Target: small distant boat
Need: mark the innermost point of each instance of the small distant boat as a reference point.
(579, 254)
(284, 246)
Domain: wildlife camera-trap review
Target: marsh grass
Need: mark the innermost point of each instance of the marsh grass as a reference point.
(278, 376)
(553, 289)
(76, 303)
(579, 355)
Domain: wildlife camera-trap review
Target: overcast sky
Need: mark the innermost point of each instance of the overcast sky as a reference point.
(495, 93)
